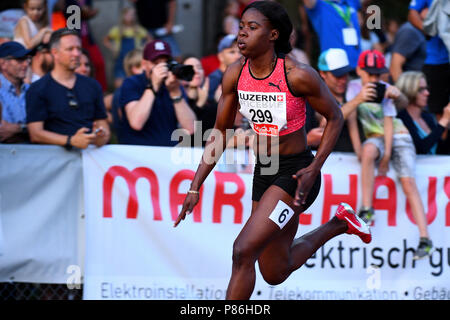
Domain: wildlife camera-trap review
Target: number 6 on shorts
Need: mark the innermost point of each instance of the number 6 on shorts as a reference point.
(281, 214)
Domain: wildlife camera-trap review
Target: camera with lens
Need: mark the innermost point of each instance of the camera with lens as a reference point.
(181, 71)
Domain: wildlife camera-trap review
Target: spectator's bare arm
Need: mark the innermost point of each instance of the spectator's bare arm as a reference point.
(396, 68)
(401, 102)
(183, 112)
(8, 130)
(314, 136)
(171, 16)
(310, 3)
(445, 118)
(88, 12)
(81, 139)
(367, 93)
(139, 111)
(352, 126)
(29, 41)
(383, 166)
(415, 19)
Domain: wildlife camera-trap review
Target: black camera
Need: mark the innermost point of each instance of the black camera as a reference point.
(181, 71)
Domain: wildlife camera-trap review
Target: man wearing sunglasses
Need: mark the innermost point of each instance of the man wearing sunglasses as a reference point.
(65, 108)
(14, 63)
(42, 61)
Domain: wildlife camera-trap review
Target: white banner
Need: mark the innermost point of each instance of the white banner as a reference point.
(40, 210)
(134, 194)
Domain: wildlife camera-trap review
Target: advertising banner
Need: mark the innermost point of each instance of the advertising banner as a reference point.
(134, 194)
(40, 213)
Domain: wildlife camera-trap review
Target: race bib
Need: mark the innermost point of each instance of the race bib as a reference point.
(266, 111)
(281, 214)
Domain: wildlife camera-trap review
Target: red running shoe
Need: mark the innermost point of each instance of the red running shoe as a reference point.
(355, 224)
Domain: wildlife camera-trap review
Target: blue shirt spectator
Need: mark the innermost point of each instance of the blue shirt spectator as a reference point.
(157, 130)
(337, 26)
(436, 51)
(153, 103)
(13, 104)
(16, 61)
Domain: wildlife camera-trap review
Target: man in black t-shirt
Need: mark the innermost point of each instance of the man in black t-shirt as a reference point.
(65, 108)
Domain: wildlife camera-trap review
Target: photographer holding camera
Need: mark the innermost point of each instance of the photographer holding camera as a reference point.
(154, 102)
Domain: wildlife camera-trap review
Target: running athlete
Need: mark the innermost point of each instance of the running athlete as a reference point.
(270, 89)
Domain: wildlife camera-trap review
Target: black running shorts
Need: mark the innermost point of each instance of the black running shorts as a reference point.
(288, 165)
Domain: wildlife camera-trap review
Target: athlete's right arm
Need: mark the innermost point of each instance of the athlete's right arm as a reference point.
(217, 141)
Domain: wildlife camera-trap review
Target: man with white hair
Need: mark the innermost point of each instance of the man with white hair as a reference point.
(14, 63)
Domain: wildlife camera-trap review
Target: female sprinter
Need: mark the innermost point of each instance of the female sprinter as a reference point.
(250, 85)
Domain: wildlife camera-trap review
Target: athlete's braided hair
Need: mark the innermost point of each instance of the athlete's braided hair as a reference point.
(279, 19)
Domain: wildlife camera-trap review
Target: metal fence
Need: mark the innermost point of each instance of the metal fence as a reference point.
(38, 291)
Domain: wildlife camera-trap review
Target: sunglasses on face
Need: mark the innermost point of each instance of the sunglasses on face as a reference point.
(422, 89)
(73, 103)
(20, 60)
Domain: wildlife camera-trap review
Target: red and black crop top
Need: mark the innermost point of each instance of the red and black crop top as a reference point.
(268, 103)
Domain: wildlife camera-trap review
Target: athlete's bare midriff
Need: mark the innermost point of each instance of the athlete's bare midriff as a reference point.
(292, 143)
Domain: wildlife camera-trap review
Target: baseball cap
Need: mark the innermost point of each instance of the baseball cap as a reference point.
(156, 49)
(334, 60)
(372, 61)
(13, 49)
(226, 42)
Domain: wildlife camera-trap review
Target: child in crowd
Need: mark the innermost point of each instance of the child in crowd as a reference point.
(132, 64)
(231, 19)
(386, 138)
(33, 26)
(123, 38)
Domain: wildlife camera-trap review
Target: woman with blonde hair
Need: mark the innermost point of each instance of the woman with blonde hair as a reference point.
(413, 86)
(429, 136)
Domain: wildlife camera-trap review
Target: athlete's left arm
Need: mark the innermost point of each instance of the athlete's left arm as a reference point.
(305, 81)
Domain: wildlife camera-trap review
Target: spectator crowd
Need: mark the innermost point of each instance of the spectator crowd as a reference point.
(392, 82)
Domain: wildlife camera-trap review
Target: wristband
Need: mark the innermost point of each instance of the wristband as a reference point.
(177, 99)
(193, 192)
(23, 128)
(68, 146)
(150, 86)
